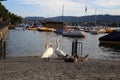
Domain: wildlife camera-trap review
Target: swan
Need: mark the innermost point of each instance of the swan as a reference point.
(49, 51)
(58, 52)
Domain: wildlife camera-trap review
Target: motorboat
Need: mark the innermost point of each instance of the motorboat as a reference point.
(111, 38)
(59, 31)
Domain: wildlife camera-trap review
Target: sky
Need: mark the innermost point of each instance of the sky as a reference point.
(53, 8)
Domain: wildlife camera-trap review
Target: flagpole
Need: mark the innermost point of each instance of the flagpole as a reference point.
(95, 17)
(85, 12)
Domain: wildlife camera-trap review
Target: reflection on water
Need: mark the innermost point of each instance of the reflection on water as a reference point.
(28, 43)
(114, 50)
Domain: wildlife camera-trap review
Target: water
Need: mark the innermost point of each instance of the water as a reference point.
(32, 43)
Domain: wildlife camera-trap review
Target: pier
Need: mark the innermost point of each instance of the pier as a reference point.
(3, 35)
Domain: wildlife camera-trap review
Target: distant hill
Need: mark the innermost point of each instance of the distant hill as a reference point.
(98, 18)
(34, 18)
(74, 19)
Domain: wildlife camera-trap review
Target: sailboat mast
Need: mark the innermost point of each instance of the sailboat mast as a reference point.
(95, 17)
(62, 13)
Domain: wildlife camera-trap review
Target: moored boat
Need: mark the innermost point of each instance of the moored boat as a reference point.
(59, 31)
(93, 32)
(74, 33)
(32, 28)
(111, 38)
(46, 29)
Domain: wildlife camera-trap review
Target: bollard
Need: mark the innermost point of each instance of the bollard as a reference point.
(76, 46)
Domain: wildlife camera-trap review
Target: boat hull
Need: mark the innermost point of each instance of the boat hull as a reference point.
(73, 34)
(109, 42)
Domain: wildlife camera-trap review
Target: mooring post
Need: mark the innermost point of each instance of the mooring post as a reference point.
(74, 47)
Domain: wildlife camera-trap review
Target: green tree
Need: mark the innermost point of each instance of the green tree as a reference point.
(8, 16)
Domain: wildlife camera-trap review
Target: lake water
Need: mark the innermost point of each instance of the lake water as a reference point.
(32, 43)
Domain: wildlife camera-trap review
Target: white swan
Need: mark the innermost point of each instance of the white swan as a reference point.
(57, 51)
(49, 51)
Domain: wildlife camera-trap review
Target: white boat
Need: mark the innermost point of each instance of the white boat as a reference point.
(93, 32)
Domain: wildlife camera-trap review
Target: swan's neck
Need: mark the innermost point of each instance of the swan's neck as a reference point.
(57, 43)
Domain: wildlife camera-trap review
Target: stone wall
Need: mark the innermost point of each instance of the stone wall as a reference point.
(3, 36)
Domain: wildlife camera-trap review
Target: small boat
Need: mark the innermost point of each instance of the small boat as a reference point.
(73, 33)
(46, 29)
(109, 30)
(32, 28)
(101, 30)
(94, 32)
(111, 38)
(59, 31)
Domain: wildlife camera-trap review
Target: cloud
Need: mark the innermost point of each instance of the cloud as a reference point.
(71, 7)
(55, 6)
(52, 3)
(108, 3)
(47, 3)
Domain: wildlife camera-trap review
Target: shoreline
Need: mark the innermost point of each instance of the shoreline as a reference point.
(34, 68)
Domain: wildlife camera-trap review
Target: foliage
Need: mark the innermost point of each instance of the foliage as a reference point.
(8, 16)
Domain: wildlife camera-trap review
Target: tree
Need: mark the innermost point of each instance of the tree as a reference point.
(8, 16)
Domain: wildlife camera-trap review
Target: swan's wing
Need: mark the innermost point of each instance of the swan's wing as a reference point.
(59, 52)
(47, 53)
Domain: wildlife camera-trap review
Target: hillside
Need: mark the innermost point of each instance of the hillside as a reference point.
(99, 18)
(113, 20)
(7, 16)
